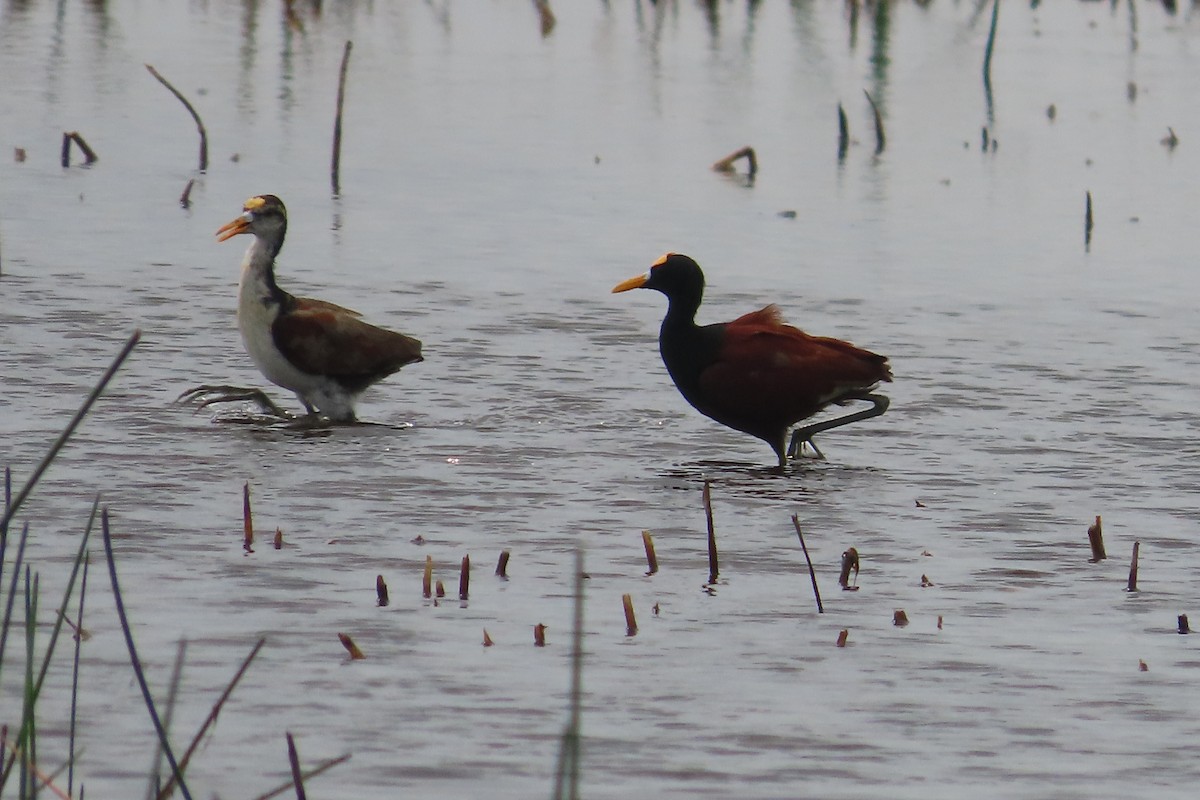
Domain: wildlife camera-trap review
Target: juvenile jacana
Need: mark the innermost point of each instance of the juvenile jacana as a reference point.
(757, 374)
(324, 353)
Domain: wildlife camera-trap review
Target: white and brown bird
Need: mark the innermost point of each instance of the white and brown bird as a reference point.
(323, 352)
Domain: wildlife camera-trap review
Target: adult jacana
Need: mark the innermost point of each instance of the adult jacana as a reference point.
(324, 353)
(757, 374)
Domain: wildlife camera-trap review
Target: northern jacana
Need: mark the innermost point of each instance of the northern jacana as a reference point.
(757, 374)
(324, 353)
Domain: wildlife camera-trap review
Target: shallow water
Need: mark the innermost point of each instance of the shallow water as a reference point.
(495, 185)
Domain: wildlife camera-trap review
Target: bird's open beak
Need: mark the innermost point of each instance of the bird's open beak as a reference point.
(632, 283)
(234, 227)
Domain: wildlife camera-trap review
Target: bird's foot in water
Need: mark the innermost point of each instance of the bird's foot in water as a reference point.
(805, 448)
(204, 396)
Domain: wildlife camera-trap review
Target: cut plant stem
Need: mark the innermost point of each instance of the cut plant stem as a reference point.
(843, 635)
(487, 640)
(247, 520)
(336, 165)
(185, 199)
(713, 570)
(843, 134)
(1133, 568)
(1087, 222)
(1096, 540)
(192, 111)
(651, 558)
(812, 573)
(630, 621)
(1183, 624)
(351, 647)
(427, 578)
(880, 141)
(464, 578)
(502, 564)
(539, 635)
(381, 590)
(899, 618)
(726, 163)
(849, 562)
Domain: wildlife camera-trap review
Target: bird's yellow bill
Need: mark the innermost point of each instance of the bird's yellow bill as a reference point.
(633, 283)
(233, 228)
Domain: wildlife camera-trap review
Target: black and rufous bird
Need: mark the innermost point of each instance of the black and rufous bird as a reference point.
(323, 352)
(757, 374)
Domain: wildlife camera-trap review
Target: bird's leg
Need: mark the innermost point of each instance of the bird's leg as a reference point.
(801, 436)
(204, 396)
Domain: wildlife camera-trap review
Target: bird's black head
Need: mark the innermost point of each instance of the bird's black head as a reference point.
(675, 275)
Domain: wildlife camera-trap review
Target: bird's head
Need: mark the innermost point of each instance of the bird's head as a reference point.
(264, 215)
(672, 274)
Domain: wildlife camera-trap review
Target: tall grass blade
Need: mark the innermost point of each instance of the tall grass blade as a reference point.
(133, 657)
(58, 444)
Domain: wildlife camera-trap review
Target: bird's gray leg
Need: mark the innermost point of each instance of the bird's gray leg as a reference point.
(204, 396)
(879, 404)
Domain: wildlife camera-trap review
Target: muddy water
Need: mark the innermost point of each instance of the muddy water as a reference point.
(495, 185)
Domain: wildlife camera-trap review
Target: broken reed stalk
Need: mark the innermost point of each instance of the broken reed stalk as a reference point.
(849, 562)
(546, 17)
(297, 775)
(880, 140)
(427, 578)
(336, 164)
(464, 578)
(812, 573)
(1183, 624)
(630, 620)
(89, 155)
(651, 557)
(1096, 540)
(439, 590)
(381, 591)
(843, 635)
(185, 199)
(312, 773)
(726, 163)
(278, 542)
(192, 111)
(247, 520)
(843, 134)
(502, 564)
(15, 505)
(211, 719)
(567, 773)
(987, 51)
(1087, 222)
(713, 571)
(1133, 568)
(351, 647)
(135, 661)
(539, 635)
